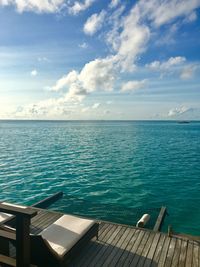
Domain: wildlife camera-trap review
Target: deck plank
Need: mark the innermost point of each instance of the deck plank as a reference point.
(149, 257)
(183, 254)
(107, 250)
(146, 249)
(189, 254)
(164, 251)
(123, 246)
(91, 247)
(99, 247)
(170, 252)
(177, 252)
(158, 251)
(195, 261)
(133, 236)
(133, 249)
(117, 251)
(140, 249)
(93, 250)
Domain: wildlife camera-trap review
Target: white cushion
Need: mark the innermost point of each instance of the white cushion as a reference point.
(63, 234)
(4, 217)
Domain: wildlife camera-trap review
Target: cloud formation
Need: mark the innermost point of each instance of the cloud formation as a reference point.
(161, 12)
(48, 6)
(188, 72)
(38, 6)
(96, 105)
(178, 111)
(34, 73)
(95, 75)
(166, 65)
(182, 110)
(94, 23)
(128, 38)
(133, 85)
(78, 6)
(83, 45)
(126, 34)
(114, 3)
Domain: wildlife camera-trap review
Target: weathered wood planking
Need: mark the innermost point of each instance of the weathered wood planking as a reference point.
(123, 246)
(128, 246)
(160, 219)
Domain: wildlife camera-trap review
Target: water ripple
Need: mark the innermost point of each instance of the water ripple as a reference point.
(112, 169)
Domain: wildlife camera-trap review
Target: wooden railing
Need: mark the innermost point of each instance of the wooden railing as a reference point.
(23, 218)
(160, 219)
(45, 203)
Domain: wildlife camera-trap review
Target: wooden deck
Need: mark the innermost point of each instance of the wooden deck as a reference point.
(120, 245)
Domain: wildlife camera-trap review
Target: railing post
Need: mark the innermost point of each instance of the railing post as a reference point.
(22, 241)
(23, 217)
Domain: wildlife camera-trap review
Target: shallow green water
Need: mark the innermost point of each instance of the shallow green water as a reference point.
(110, 170)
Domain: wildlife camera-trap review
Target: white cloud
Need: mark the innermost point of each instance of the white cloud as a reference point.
(44, 6)
(94, 23)
(78, 6)
(115, 21)
(34, 73)
(192, 17)
(83, 45)
(178, 111)
(43, 59)
(166, 65)
(114, 3)
(95, 75)
(133, 85)
(66, 81)
(188, 72)
(96, 105)
(101, 74)
(98, 74)
(129, 40)
(168, 38)
(89, 108)
(175, 65)
(49, 108)
(85, 109)
(161, 12)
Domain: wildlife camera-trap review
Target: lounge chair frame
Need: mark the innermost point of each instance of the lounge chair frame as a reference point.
(43, 255)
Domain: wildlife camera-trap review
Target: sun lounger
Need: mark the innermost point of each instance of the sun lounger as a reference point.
(60, 241)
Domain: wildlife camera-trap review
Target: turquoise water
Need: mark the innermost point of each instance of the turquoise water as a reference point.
(110, 170)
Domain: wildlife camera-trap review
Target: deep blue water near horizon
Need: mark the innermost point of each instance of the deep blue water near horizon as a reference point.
(114, 170)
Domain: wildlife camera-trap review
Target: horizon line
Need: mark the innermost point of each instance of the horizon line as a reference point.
(99, 120)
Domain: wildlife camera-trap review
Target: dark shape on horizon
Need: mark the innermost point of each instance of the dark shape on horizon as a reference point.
(183, 121)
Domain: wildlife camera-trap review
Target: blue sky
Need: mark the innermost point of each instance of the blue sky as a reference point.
(95, 59)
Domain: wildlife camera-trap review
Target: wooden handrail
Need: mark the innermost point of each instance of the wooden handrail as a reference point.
(160, 219)
(44, 203)
(17, 210)
(10, 261)
(7, 235)
(23, 220)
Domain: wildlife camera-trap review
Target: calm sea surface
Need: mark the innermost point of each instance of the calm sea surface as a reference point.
(110, 170)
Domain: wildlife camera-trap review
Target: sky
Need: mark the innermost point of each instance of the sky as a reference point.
(100, 59)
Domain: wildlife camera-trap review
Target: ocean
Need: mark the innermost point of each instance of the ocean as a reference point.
(111, 170)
